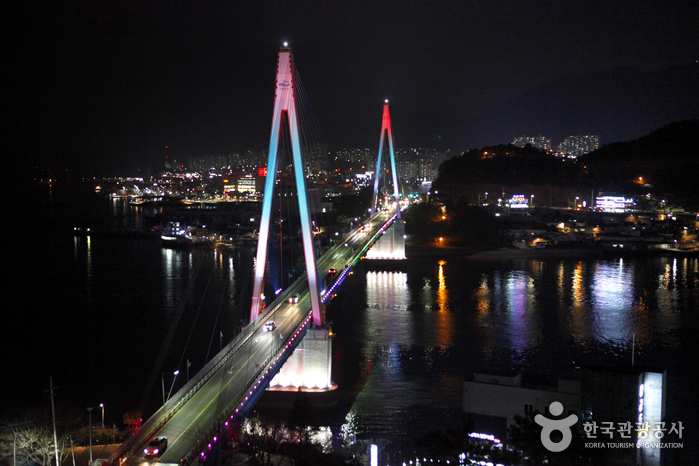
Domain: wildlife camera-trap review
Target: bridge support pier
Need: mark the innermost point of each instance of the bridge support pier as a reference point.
(308, 369)
(391, 245)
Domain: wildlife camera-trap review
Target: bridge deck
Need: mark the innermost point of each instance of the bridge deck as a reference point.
(234, 379)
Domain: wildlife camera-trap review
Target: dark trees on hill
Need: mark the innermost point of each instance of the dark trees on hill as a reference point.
(663, 164)
(508, 169)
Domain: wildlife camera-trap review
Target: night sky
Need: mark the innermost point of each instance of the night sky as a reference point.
(103, 87)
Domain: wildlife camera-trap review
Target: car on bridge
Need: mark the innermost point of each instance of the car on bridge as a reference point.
(156, 447)
(293, 299)
(269, 326)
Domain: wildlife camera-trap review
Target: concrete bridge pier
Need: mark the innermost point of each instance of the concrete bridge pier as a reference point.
(308, 370)
(391, 245)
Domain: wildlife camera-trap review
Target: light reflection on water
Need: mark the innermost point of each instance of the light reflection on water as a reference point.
(423, 331)
(612, 290)
(444, 322)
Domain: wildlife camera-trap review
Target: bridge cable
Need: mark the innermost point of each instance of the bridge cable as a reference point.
(196, 316)
(218, 314)
(164, 349)
(310, 133)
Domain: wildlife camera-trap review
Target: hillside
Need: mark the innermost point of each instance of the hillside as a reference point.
(663, 163)
(666, 161)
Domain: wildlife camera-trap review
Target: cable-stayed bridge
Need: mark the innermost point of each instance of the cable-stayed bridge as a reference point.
(202, 413)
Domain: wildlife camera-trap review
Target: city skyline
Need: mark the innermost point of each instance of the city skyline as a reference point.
(105, 86)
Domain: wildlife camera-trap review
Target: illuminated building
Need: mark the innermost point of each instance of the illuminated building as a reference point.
(575, 146)
(539, 142)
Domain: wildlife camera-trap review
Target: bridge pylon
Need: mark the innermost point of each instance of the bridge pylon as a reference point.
(386, 128)
(391, 245)
(285, 113)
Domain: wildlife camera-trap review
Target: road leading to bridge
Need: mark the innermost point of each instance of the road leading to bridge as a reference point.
(192, 417)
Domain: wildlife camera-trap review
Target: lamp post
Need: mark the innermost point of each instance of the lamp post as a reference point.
(89, 411)
(162, 383)
(172, 385)
(102, 406)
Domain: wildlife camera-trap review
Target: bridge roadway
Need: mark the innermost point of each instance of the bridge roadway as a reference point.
(192, 417)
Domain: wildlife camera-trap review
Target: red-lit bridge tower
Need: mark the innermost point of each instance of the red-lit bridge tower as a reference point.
(391, 245)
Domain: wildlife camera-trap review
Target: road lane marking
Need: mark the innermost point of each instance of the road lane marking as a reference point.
(221, 390)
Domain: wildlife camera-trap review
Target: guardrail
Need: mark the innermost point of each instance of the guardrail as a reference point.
(165, 412)
(239, 406)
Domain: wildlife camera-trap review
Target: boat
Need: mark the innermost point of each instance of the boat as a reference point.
(174, 235)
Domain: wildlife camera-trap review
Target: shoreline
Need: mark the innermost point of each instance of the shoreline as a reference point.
(473, 253)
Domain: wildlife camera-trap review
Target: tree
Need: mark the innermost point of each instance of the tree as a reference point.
(263, 440)
(301, 418)
(33, 429)
(447, 443)
(525, 434)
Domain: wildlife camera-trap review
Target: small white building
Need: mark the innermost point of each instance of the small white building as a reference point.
(491, 400)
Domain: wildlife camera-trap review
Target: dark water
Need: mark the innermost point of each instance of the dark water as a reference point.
(97, 313)
(406, 339)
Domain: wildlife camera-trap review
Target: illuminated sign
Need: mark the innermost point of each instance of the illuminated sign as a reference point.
(262, 171)
(484, 437)
(612, 203)
(650, 412)
(519, 201)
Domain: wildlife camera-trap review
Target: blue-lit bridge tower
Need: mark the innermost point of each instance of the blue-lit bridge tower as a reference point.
(311, 363)
(285, 111)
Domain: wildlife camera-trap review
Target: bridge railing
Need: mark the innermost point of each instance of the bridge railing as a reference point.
(241, 404)
(165, 412)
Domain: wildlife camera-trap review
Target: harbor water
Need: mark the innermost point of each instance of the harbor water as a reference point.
(111, 318)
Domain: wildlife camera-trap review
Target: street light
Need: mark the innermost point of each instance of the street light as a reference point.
(173, 384)
(162, 383)
(89, 410)
(102, 406)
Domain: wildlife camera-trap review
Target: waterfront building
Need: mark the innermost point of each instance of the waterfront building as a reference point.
(491, 400)
(613, 404)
